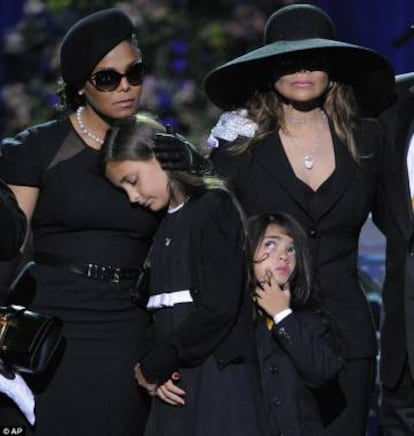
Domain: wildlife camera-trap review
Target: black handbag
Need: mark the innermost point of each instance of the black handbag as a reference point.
(27, 339)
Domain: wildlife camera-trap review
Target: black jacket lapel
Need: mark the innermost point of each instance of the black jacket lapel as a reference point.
(266, 154)
(271, 150)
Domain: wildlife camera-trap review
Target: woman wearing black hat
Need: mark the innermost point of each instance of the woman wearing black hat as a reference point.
(298, 146)
(87, 239)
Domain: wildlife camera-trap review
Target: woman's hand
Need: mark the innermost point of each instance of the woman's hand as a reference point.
(175, 153)
(151, 388)
(270, 296)
(170, 392)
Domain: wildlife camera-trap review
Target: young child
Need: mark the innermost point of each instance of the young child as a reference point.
(297, 352)
(201, 367)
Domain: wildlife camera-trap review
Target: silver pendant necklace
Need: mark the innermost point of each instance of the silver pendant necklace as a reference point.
(309, 158)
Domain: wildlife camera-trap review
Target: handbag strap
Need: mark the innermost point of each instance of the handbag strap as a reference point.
(4, 325)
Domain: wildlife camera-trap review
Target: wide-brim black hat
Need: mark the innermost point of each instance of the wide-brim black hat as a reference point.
(306, 29)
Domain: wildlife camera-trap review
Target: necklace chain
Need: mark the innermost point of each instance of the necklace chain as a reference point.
(84, 129)
(309, 158)
(319, 115)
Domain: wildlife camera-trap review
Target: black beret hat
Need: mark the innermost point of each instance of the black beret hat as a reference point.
(89, 40)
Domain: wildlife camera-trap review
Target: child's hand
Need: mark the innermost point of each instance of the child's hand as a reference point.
(170, 392)
(151, 388)
(270, 296)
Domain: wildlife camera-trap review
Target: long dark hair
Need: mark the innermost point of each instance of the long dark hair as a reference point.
(134, 140)
(265, 108)
(305, 294)
(301, 279)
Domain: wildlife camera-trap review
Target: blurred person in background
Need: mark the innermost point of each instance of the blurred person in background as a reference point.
(395, 217)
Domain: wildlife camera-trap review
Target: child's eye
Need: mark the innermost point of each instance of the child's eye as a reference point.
(291, 251)
(131, 181)
(270, 246)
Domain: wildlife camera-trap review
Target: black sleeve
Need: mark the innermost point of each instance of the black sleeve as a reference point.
(378, 209)
(390, 125)
(309, 343)
(223, 160)
(13, 224)
(219, 256)
(25, 157)
(233, 168)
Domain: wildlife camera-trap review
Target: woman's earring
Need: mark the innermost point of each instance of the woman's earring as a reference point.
(81, 92)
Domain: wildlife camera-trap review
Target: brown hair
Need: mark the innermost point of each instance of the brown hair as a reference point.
(265, 108)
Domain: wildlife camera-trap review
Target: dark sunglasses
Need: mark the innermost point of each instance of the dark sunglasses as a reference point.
(108, 80)
(293, 64)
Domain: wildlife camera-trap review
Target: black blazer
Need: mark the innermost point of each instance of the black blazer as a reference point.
(396, 219)
(297, 356)
(264, 181)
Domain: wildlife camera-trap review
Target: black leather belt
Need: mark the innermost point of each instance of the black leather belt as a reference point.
(91, 270)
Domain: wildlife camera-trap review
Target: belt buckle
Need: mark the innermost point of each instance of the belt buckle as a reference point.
(91, 270)
(114, 274)
(110, 273)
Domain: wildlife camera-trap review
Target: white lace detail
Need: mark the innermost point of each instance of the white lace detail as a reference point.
(230, 126)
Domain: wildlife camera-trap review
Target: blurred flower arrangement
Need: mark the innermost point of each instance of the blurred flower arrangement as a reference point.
(181, 42)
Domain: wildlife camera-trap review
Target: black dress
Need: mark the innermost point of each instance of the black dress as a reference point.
(89, 389)
(222, 398)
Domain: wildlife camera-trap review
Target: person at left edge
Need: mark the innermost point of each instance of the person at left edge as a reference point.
(88, 241)
(13, 226)
(12, 223)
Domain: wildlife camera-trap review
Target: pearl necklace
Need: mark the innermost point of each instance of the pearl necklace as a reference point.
(83, 129)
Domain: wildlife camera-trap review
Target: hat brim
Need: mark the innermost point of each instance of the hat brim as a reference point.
(370, 75)
(404, 83)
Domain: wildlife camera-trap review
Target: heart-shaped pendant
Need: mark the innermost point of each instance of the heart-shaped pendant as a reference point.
(308, 161)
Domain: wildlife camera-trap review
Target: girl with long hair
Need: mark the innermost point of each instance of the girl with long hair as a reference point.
(200, 366)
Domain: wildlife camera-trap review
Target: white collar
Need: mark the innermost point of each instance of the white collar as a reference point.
(177, 208)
